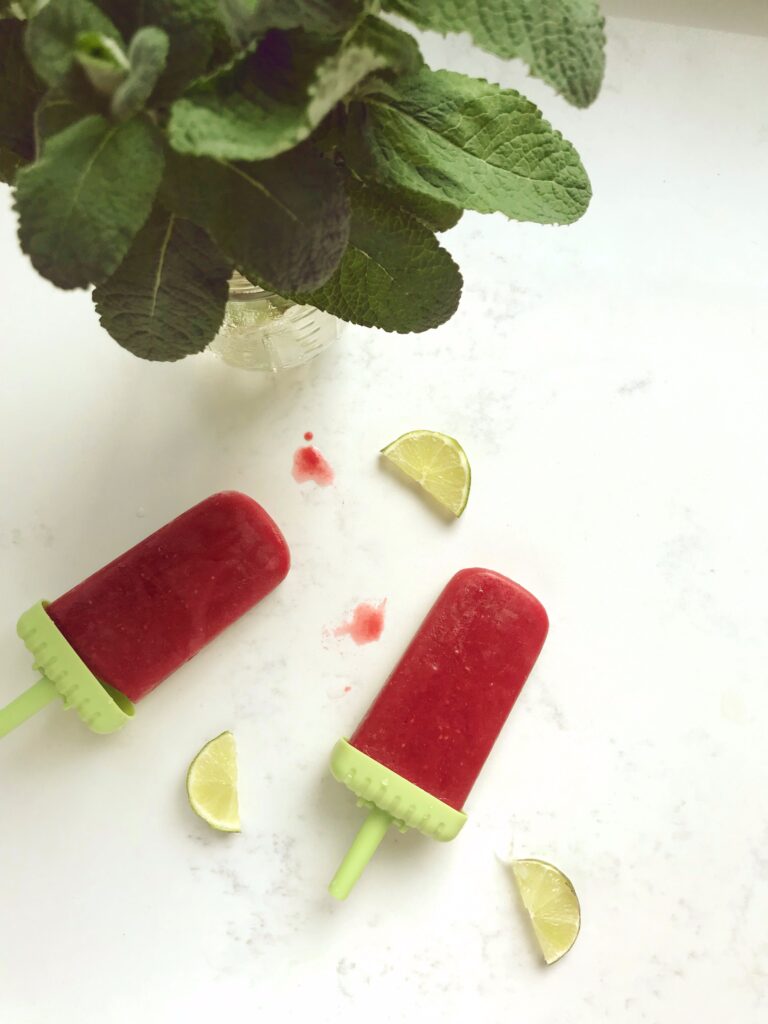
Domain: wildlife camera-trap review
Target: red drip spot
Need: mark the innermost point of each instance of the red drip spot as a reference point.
(366, 624)
(310, 464)
(347, 689)
(308, 436)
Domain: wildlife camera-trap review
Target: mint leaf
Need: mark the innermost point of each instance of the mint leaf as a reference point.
(195, 30)
(469, 143)
(393, 274)
(400, 49)
(19, 94)
(54, 113)
(52, 36)
(126, 17)
(245, 111)
(146, 56)
(166, 299)
(21, 8)
(81, 204)
(433, 213)
(372, 45)
(102, 60)
(248, 19)
(285, 220)
(562, 41)
(10, 164)
(276, 98)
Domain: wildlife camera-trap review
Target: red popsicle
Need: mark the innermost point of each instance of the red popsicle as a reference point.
(417, 752)
(132, 623)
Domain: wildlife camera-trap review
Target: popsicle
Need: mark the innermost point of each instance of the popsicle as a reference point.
(419, 749)
(110, 640)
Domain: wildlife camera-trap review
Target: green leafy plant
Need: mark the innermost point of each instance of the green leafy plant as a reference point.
(156, 147)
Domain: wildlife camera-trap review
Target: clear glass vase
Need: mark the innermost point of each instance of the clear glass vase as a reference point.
(263, 331)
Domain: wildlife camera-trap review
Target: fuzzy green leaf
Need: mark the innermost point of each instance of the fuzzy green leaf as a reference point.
(22, 9)
(82, 203)
(249, 19)
(103, 61)
(284, 220)
(467, 142)
(10, 164)
(20, 92)
(146, 55)
(52, 36)
(195, 30)
(394, 274)
(433, 213)
(276, 98)
(166, 300)
(399, 49)
(562, 41)
(54, 113)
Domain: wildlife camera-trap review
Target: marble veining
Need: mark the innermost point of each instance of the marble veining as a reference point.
(608, 382)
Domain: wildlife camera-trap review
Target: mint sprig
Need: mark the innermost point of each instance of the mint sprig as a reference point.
(196, 33)
(277, 96)
(53, 35)
(284, 220)
(166, 299)
(470, 143)
(393, 274)
(147, 55)
(156, 146)
(562, 41)
(435, 214)
(74, 223)
(247, 19)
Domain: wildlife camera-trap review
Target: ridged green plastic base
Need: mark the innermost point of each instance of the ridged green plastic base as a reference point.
(407, 804)
(391, 800)
(100, 707)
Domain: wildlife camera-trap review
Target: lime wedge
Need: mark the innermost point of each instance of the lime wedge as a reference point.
(212, 784)
(552, 905)
(435, 461)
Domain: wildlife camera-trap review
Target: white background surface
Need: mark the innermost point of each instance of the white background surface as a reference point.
(609, 383)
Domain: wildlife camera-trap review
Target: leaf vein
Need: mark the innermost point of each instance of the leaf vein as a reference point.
(260, 187)
(86, 171)
(445, 139)
(161, 263)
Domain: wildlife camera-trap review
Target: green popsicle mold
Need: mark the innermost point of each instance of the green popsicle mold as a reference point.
(391, 800)
(64, 674)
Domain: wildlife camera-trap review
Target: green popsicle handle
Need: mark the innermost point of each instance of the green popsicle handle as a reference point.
(102, 708)
(26, 705)
(392, 800)
(365, 844)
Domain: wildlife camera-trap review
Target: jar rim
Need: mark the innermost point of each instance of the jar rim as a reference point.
(241, 288)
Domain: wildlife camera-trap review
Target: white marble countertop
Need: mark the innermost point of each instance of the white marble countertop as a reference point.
(609, 384)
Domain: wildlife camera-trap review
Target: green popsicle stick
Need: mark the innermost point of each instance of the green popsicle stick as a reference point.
(26, 705)
(363, 847)
(102, 708)
(392, 800)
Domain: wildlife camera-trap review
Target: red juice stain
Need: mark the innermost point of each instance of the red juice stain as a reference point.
(347, 689)
(308, 436)
(366, 624)
(310, 464)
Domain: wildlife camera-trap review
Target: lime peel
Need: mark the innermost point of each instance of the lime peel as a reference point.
(437, 463)
(212, 784)
(552, 905)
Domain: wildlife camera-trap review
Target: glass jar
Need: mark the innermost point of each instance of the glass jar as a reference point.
(264, 331)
